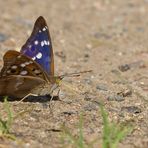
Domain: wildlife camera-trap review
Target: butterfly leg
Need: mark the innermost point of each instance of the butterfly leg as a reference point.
(50, 103)
(30, 94)
(58, 92)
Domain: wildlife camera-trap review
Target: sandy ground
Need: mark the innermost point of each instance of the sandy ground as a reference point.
(108, 36)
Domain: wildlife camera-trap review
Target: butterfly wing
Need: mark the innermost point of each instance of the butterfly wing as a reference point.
(18, 86)
(39, 46)
(16, 63)
(20, 75)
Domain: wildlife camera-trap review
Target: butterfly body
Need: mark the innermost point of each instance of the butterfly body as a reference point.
(44, 89)
(30, 71)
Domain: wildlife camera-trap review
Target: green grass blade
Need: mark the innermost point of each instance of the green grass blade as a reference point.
(81, 137)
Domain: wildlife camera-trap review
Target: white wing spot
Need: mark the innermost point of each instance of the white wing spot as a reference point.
(37, 71)
(44, 29)
(36, 42)
(30, 62)
(23, 72)
(33, 58)
(42, 43)
(19, 56)
(29, 46)
(27, 63)
(14, 67)
(48, 43)
(40, 31)
(22, 65)
(8, 71)
(45, 42)
(39, 55)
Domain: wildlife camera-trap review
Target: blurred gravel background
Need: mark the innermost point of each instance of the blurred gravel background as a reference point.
(108, 36)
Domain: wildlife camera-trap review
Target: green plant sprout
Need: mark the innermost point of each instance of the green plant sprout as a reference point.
(5, 124)
(113, 133)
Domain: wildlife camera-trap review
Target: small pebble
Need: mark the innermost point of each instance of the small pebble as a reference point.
(87, 81)
(131, 109)
(99, 35)
(90, 107)
(124, 68)
(125, 93)
(119, 98)
(140, 29)
(53, 130)
(69, 112)
(86, 55)
(137, 64)
(88, 46)
(3, 37)
(87, 98)
(115, 98)
(115, 71)
(102, 87)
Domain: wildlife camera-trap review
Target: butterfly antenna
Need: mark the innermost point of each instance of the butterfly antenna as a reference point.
(74, 74)
(72, 88)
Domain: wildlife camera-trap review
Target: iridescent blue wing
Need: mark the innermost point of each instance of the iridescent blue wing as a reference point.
(39, 46)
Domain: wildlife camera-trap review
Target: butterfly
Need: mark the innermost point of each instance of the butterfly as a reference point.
(30, 71)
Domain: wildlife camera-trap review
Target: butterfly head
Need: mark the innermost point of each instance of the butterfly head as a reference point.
(57, 80)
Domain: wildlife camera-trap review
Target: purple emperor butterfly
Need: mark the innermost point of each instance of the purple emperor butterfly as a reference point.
(30, 71)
